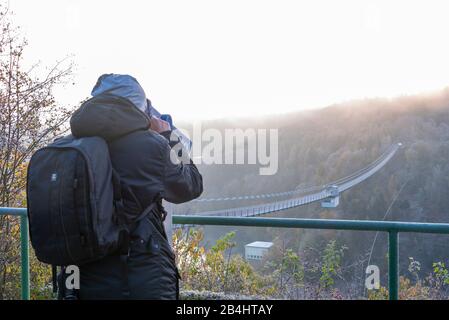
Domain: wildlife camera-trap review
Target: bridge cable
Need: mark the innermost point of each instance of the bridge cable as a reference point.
(383, 219)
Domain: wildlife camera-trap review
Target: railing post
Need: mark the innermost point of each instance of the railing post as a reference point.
(24, 244)
(393, 265)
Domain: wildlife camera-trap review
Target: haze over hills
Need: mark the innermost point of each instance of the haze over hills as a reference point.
(319, 146)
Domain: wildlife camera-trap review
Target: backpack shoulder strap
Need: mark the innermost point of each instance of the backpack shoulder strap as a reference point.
(118, 202)
(122, 220)
(119, 215)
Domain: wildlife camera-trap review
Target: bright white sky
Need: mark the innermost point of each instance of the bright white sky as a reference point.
(206, 58)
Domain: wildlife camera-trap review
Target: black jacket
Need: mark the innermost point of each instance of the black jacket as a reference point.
(142, 159)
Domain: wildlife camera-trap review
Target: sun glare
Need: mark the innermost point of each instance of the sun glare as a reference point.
(203, 59)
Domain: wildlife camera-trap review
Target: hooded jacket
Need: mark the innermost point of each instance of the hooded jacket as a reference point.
(141, 157)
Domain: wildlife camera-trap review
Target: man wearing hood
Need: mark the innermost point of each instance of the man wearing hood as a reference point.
(140, 151)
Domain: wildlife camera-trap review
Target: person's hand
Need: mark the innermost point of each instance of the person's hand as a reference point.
(159, 125)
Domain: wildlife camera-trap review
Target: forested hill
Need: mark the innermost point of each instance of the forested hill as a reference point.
(319, 146)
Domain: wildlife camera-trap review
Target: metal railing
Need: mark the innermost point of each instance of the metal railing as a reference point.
(24, 247)
(393, 229)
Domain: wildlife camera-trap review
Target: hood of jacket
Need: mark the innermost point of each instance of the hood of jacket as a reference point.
(121, 85)
(109, 117)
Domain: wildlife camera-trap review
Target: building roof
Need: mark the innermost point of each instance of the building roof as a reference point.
(260, 244)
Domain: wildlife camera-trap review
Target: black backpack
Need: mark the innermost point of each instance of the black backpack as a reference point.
(75, 205)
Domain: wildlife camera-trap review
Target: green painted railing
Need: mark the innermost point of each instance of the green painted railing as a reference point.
(392, 228)
(24, 247)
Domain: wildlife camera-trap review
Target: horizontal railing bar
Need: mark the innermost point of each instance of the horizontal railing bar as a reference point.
(13, 211)
(360, 225)
(356, 225)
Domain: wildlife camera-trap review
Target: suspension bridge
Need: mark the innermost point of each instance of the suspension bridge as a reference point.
(328, 194)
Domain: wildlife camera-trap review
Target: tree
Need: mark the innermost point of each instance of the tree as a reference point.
(29, 119)
(290, 274)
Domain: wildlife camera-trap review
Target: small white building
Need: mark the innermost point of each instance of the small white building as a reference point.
(256, 250)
